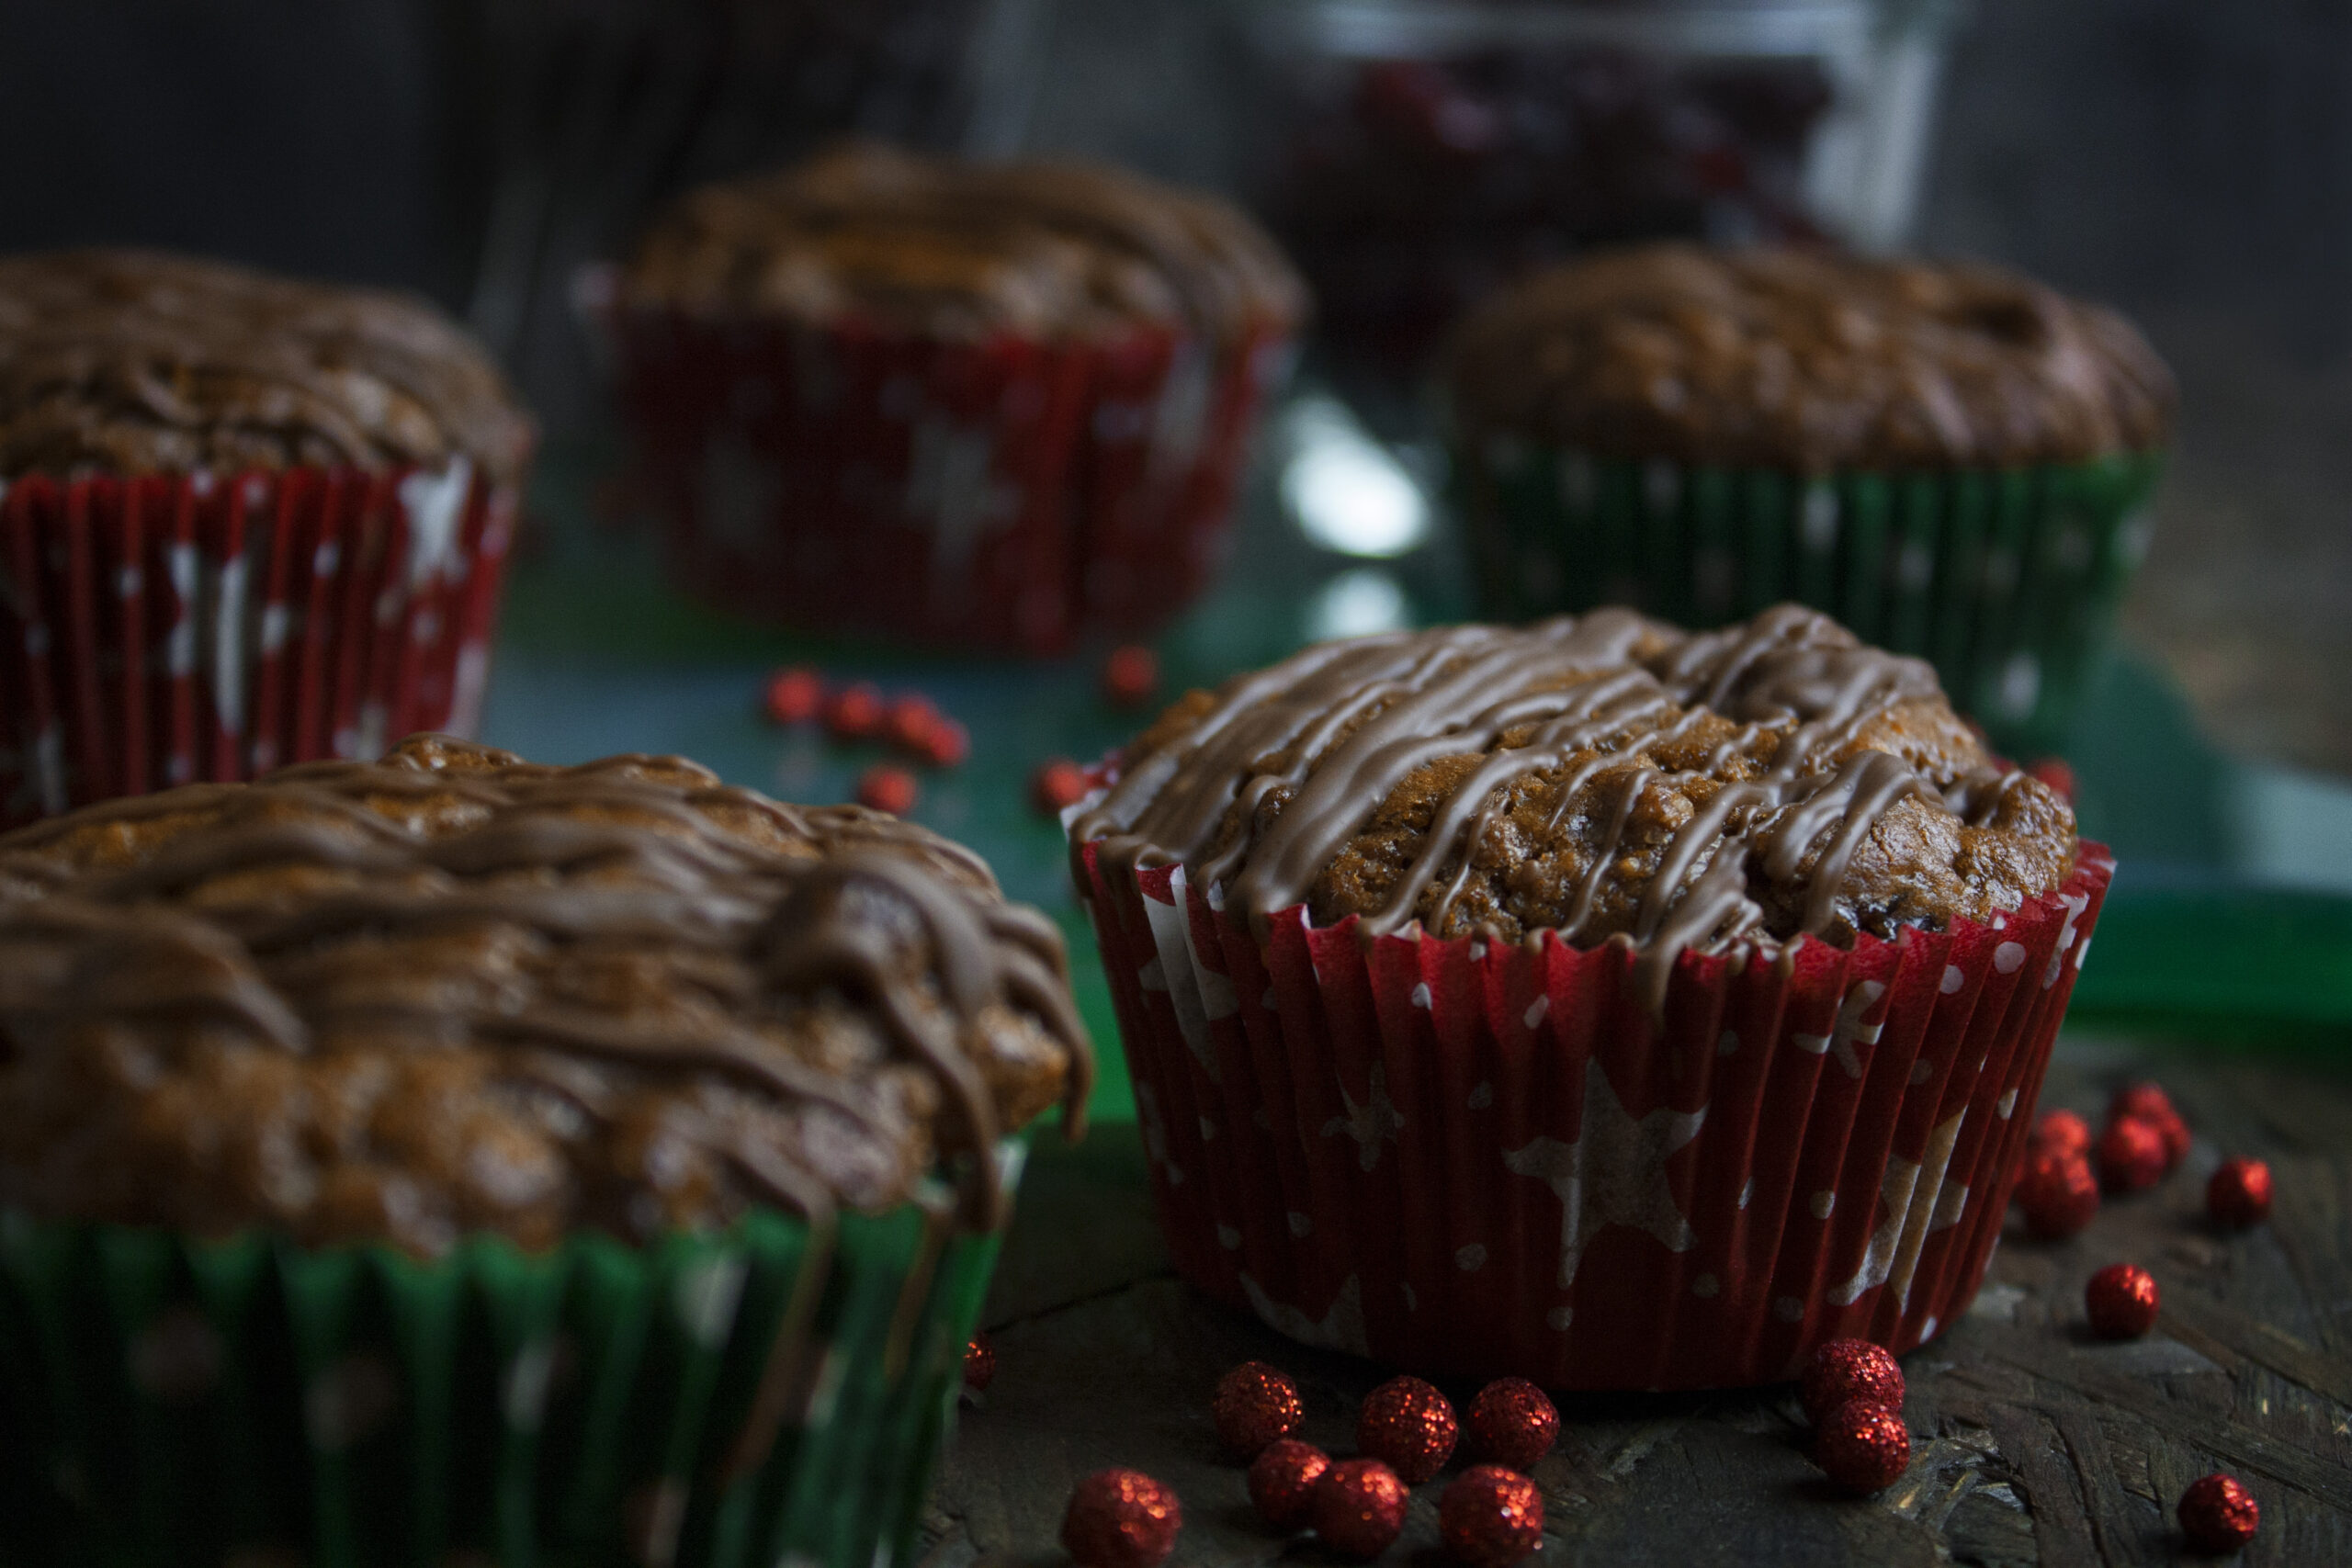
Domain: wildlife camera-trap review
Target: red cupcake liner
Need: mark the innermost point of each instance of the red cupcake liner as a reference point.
(1477, 1161)
(174, 628)
(1004, 494)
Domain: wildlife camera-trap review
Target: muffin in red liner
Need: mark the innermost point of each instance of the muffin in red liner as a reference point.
(244, 521)
(1591, 1163)
(992, 406)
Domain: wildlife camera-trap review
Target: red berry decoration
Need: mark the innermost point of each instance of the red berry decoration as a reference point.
(795, 696)
(1359, 1508)
(1513, 1424)
(1282, 1482)
(2146, 1100)
(2058, 1194)
(947, 744)
(1130, 675)
(2239, 1194)
(1408, 1423)
(1121, 1519)
(980, 1363)
(1254, 1405)
(2219, 1514)
(886, 788)
(2131, 1155)
(2121, 1301)
(854, 713)
(907, 723)
(1056, 785)
(1489, 1518)
(1863, 1446)
(1846, 1370)
(2059, 1133)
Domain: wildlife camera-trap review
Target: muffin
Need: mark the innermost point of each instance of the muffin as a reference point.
(1954, 460)
(983, 405)
(1596, 1002)
(244, 521)
(452, 1154)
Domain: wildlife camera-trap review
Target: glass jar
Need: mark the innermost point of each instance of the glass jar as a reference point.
(1417, 154)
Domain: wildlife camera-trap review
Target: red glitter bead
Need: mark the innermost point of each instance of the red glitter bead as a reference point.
(908, 722)
(980, 1363)
(2058, 1194)
(1282, 1482)
(1255, 1405)
(855, 712)
(1359, 1508)
(795, 696)
(1130, 675)
(2239, 1194)
(1845, 1370)
(947, 744)
(1863, 1446)
(2141, 1099)
(2131, 1155)
(1511, 1422)
(2121, 1299)
(2219, 1514)
(1408, 1423)
(1121, 1519)
(1489, 1518)
(1057, 783)
(885, 788)
(2061, 1132)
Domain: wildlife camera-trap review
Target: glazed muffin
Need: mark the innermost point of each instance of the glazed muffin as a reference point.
(1598, 1002)
(247, 520)
(994, 404)
(1952, 459)
(452, 1023)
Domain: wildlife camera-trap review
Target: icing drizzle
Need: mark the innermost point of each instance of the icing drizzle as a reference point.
(1331, 733)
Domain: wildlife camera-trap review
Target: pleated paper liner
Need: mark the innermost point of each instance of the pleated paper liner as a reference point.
(2007, 581)
(168, 629)
(1477, 1161)
(1004, 494)
(177, 1401)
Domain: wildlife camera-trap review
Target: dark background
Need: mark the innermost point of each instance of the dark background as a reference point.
(2189, 162)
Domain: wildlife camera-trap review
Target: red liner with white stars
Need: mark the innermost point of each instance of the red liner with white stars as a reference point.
(1004, 494)
(170, 630)
(1483, 1160)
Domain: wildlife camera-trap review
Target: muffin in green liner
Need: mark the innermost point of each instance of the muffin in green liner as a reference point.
(1955, 461)
(760, 1056)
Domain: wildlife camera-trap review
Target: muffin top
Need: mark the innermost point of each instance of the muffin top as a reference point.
(1806, 359)
(453, 991)
(1600, 776)
(129, 362)
(965, 249)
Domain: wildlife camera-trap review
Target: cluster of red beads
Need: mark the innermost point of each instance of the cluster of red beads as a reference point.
(2144, 1139)
(1852, 1390)
(910, 723)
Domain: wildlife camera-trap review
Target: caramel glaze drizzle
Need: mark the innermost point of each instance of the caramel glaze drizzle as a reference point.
(1610, 682)
(784, 914)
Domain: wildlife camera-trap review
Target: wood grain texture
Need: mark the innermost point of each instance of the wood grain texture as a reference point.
(2033, 1443)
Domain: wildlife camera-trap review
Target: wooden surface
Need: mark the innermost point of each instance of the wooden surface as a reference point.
(2031, 1442)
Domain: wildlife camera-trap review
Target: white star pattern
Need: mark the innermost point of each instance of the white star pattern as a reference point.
(1340, 1328)
(1369, 1124)
(1850, 1030)
(1614, 1173)
(1894, 1249)
(951, 485)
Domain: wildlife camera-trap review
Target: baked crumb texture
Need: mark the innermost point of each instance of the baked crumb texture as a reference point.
(454, 991)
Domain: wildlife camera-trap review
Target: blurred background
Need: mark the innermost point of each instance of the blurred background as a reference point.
(2186, 162)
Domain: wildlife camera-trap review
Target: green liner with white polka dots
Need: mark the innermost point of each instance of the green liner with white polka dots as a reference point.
(2006, 580)
(173, 1401)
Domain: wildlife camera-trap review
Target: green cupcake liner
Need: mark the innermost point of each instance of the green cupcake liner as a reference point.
(171, 1400)
(2007, 581)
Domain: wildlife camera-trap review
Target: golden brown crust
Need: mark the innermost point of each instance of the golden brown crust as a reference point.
(1806, 360)
(455, 992)
(129, 362)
